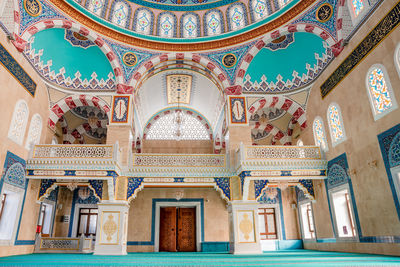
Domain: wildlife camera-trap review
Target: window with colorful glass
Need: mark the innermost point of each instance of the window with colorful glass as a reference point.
(213, 23)
(259, 9)
(237, 17)
(319, 134)
(96, 6)
(144, 21)
(120, 14)
(335, 122)
(166, 25)
(380, 92)
(189, 26)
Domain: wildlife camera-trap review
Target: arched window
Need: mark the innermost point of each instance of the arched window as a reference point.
(380, 91)
(143, 21)
(166, 25)
(19, 120)
(319, 134)
(335, 122)
(191, 128)
(213, 23)
(96, 6)
(120, 13)
(190, 25)
(258, 9)
(237, 16)
(35, 130)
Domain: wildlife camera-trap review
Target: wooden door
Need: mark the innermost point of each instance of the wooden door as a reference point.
(186, 229)
(168, 229)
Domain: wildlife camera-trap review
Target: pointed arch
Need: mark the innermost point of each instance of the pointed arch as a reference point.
(150, 65)
(282, 102)
(34, 132)
(70, 102)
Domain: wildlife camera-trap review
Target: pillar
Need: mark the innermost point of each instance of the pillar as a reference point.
(243, 227)
(112, 228)
(120, 128)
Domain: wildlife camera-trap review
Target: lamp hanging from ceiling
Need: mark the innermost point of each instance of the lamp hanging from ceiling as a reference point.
(178, 116)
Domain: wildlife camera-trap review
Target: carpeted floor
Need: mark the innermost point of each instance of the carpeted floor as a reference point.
(273, 258)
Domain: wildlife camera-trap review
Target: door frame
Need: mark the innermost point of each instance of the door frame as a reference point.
(159, 205)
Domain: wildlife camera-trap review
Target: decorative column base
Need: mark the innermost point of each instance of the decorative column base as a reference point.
(243, 227)
(112, 228)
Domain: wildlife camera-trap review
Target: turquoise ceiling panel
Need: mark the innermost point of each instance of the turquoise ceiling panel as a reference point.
(286, 61)
(72, 58)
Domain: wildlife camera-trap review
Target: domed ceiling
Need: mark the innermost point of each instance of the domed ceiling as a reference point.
(183, 20)
(70, 60)
(287, 63)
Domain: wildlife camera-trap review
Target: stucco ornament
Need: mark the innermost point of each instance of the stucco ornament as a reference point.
(246, 226)
(110, 227)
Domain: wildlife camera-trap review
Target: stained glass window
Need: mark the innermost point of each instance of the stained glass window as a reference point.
(143, 21)
(259, 9)
(379, 92)
(96, 6)
(319, 134)
(237, 17)
(120, 14)
(164, 128)
(189, 26)
(336, 127)
(35, 130)
(166, 25)
(19, 120)
(357, 6)
(214, 23)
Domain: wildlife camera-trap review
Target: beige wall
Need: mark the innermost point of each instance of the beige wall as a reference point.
(375, 205)
(140, 214)
(177, 147)
(64, 201)
(12, 91)
(290, 214)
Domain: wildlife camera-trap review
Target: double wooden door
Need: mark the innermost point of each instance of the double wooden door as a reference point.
(177, 229)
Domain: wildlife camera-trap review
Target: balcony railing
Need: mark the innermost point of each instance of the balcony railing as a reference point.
(179, 160)
(99, 152)
(277, 155)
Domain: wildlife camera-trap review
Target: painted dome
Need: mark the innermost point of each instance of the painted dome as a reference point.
(183, 20)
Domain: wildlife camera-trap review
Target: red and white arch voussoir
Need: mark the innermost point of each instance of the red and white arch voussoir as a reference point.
(69, 138)
(141, 72)
(91, 35)
(301, 27)
(71, 102)
(277, 134)
(281, 102)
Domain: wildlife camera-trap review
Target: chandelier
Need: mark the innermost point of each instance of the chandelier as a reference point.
(178, 116)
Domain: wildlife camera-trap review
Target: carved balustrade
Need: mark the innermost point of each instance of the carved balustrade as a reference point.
(63, 245)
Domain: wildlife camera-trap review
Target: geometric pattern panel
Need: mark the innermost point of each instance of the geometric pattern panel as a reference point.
(14, 171)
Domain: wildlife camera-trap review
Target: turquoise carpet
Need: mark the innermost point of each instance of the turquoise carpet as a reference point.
(273, 258)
